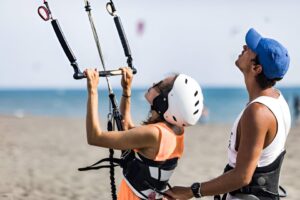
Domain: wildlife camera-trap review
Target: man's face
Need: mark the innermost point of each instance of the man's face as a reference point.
(245, 59)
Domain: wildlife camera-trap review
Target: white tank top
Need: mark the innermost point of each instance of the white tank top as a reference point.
(280, 109)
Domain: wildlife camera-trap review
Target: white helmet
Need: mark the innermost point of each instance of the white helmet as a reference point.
(184, 103)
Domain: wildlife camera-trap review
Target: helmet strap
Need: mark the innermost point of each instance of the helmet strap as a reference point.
(160, 105)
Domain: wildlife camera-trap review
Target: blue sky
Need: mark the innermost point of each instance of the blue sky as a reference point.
(196, 37)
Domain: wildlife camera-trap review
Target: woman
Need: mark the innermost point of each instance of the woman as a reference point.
(176, 101)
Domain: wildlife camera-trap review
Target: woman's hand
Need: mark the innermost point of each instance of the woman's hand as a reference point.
(180, 193)
(126, 80)
(92, 76)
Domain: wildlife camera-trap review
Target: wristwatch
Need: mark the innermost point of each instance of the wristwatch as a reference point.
(195, 187)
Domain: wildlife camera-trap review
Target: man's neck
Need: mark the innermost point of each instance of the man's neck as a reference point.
(255, 91)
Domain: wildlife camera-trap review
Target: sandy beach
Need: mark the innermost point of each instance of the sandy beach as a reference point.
(39, 157)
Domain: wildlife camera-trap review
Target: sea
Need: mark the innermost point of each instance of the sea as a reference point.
(222, 105)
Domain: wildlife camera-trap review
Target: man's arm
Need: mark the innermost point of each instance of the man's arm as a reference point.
(255, 124)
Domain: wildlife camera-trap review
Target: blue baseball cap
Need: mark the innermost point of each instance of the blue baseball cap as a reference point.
(273, 57)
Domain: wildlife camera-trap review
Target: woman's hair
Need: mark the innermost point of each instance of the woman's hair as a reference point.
(261, 78)
(164, 89)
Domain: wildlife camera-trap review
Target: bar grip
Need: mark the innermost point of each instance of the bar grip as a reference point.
(113, 72)
(79, 75)
(122, 36)
(63, 41)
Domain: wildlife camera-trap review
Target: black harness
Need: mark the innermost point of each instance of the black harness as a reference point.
(265, 182)
(145, 176)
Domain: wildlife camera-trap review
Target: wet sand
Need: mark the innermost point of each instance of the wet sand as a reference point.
(39, 157)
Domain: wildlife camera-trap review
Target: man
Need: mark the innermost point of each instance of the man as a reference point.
(258, 136)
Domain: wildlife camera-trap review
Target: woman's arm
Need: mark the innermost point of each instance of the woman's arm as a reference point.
(140, 137)
(254, 127)
(126, 98)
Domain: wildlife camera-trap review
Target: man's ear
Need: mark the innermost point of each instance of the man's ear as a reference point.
(257, 69)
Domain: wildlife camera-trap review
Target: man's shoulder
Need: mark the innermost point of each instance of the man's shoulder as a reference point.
(258, 111)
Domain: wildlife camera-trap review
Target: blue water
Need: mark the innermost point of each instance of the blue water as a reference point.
(223, 104)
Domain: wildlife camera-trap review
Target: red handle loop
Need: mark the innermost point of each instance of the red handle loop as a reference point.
(44, 13)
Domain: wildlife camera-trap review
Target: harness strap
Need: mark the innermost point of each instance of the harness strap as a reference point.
(155, 190)
(218, 197)
(282, 194)
(94, 166)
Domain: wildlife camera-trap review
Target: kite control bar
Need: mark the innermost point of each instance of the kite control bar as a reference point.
(45, 14)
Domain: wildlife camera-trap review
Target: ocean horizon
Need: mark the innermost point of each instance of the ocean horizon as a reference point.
(222, 104)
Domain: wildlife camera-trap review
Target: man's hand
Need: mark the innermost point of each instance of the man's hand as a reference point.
(179, 193)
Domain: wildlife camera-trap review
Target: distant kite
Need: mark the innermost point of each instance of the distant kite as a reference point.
(140, 28)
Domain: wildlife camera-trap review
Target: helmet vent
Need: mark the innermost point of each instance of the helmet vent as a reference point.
(186, 80)
(196, 104)
(174, 118)
(196, 112)
(196, 93)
